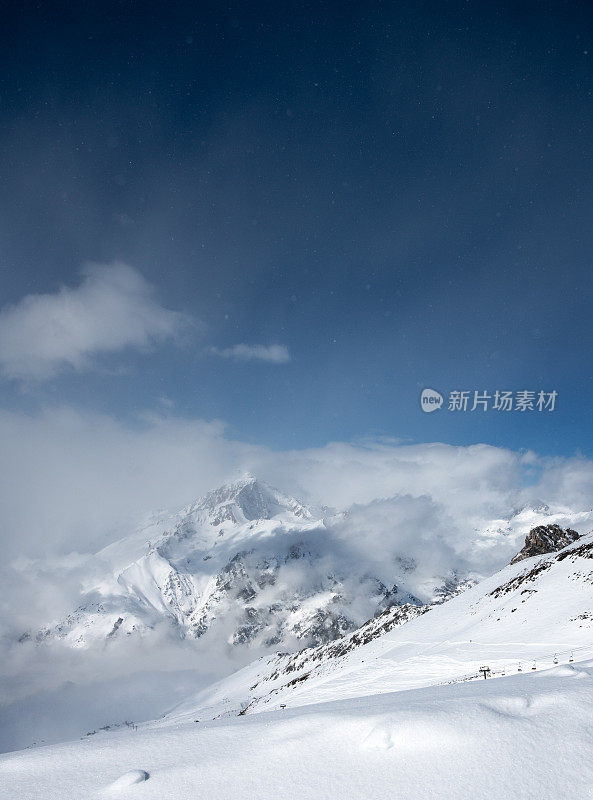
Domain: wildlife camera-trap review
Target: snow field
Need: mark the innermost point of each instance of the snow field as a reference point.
(522, 737)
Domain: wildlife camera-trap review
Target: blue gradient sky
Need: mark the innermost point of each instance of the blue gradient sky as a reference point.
(399, 193)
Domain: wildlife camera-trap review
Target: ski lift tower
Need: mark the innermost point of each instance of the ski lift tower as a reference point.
(485, 671)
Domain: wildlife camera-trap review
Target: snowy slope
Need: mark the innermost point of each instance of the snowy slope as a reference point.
(530, 613)
(525, 737)
(521, 737)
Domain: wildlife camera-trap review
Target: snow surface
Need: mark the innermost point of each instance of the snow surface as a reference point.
(130, 778)
(403, 716)
(522, 737)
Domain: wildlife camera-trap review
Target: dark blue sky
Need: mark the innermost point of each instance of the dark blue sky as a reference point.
(400, 193)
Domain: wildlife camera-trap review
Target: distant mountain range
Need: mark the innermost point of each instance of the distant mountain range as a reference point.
(247, 566)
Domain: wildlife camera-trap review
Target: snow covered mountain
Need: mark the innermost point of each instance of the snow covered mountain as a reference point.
(251, 567)
(245, 563)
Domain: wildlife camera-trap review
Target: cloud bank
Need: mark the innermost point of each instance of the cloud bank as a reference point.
(113, 308)
(74, 480)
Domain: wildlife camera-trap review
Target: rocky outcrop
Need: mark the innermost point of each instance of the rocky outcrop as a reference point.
(545, 539)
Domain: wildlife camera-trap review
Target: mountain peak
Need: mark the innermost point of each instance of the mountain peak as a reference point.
(246, 479)
(249, 498)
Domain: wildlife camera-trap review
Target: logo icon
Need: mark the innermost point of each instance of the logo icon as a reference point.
(430, 400)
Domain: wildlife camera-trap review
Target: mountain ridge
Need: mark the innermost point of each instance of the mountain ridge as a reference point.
(249, 566)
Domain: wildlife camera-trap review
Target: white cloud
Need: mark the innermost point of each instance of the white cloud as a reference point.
(113, 308)
(73, 480)
(273, 353)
